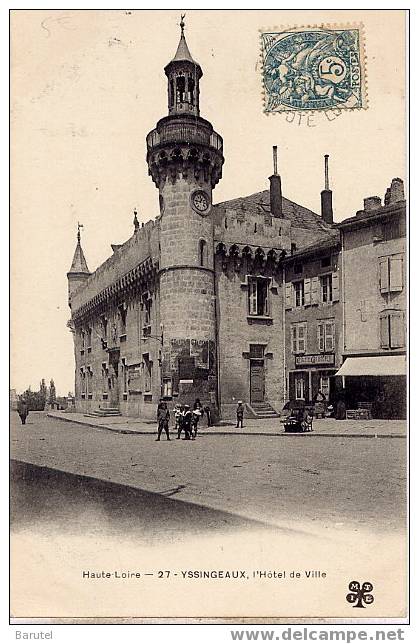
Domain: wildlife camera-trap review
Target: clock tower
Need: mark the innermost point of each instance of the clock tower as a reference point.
(185, 158)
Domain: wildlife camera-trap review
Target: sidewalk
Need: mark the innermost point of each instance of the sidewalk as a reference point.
(253, 427)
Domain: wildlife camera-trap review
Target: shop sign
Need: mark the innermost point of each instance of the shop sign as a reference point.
(316, 360)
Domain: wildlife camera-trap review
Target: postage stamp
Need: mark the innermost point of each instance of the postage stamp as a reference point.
(313, 68)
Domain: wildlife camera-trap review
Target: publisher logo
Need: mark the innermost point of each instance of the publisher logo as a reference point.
(360, 595)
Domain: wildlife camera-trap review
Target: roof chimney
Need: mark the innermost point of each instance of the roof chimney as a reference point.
(396, 190)
(326, 195)
(372, 203)
(275, 187)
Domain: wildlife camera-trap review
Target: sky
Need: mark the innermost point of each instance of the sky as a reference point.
(87, 87)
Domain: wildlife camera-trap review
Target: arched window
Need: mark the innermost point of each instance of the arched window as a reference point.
(203, 253)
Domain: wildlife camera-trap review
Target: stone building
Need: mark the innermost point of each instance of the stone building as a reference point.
(192, 305)
(313, 312)
(374, 304)
(313, 317)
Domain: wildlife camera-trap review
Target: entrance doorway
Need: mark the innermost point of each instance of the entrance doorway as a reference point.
(257, 381)
(113, 386)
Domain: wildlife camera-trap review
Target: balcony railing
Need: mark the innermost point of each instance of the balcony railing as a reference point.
(184, 132)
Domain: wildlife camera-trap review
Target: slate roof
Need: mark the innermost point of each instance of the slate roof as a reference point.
(79, 264)
(259, 203)
(313, 249)
(364, 217)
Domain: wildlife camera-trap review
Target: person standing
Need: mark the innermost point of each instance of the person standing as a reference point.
(207, 411)
(22, 410)
(163, 416)
(240, 414)
(196, 415)
(177, 411)
(187, 422)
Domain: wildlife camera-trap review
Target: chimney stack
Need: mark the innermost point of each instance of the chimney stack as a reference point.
(326, 195)
(275, 188)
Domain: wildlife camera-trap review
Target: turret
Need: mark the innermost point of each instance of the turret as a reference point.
(183, 75)
(79, 271)
(185, 158)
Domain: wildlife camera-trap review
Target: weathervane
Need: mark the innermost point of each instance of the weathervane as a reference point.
(79, 225)
(182, 21)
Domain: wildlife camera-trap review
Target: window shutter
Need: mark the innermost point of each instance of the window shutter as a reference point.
(384, 281)
(335, 287)
(396, 329)
(302, 336)
(314, 290)
(396, 274)
(329, 336)
(294, 339)
(320, 337)
(288, 296)
(384, 331)
(253, 297)
(307, 292)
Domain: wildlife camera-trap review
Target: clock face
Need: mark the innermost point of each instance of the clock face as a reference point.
(201, 202)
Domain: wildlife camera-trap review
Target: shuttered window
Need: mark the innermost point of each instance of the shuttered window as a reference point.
(391, 274)
(299, 337)
(392, 330)
(326, 335)
(258, 296)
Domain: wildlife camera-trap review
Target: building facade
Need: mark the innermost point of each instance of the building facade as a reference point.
(313, 320)
(237, 300)
(374, 303)
(192, 304)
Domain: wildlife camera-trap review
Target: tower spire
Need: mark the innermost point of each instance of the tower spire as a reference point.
(183, 74)
(79, 264)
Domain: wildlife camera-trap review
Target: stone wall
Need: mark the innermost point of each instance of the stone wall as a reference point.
(144, 243)
(237, 331)
(363, 299)
(132, 345)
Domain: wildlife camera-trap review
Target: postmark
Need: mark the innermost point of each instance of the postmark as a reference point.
(313, 69)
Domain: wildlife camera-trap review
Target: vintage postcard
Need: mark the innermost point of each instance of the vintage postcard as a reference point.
(208, 249)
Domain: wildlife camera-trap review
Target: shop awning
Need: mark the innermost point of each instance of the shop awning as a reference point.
(374, 366)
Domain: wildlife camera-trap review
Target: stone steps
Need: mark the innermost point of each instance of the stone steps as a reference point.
(264, 410)
(105, 412)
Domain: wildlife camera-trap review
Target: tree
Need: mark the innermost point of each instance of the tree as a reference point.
(43, 391)
(52, 393)
(33, 400)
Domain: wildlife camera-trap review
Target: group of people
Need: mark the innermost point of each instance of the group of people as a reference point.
(186, 419)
